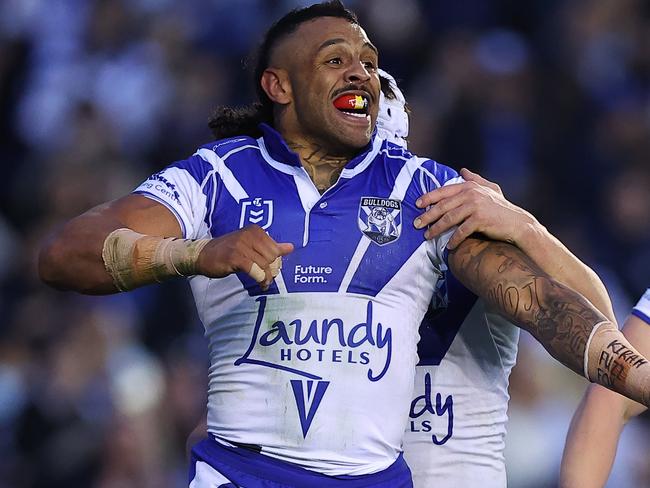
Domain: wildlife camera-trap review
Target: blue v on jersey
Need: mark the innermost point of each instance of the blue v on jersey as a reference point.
(318, 370)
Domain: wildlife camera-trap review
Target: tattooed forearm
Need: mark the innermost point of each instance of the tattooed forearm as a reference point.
(570, 328)
(515, 287)
(323, 168)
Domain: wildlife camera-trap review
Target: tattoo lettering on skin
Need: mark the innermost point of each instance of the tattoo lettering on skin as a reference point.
(626, 354)
(515, 287)
(323, 168)
(615, 362)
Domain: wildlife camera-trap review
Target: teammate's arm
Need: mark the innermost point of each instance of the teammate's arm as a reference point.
(89, 255)
(597, 424)
(478, 206)
(569, 327)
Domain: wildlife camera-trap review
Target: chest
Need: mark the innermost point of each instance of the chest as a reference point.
(354, 237)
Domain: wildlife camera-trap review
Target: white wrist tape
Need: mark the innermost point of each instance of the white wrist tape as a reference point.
(257, 273)
(588, 345)
(134, 259)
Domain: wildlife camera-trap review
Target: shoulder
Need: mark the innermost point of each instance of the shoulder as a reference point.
(441, 171)
(207, 159)
(214, 154)
(223, 148)
(430, 170)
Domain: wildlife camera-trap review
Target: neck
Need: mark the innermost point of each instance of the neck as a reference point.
(321, 165)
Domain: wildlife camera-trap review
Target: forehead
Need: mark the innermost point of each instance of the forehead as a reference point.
(312, 36)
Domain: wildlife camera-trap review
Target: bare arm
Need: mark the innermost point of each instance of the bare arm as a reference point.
(72, 258)
(597, 424)
(478, 206)
(563, 321)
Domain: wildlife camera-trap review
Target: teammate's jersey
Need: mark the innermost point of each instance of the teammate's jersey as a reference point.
(319, 369)
(456, 431)
(642, 308)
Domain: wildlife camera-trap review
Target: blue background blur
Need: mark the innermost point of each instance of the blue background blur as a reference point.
(550, 98)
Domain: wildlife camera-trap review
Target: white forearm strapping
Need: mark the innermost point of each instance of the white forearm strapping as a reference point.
(134, 259)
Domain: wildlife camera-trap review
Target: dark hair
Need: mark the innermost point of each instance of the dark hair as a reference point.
(386, 88)
(228, 121)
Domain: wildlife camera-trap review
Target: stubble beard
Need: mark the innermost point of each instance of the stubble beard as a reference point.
(332, 138)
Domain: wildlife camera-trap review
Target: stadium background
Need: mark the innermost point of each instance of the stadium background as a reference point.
(550, 98)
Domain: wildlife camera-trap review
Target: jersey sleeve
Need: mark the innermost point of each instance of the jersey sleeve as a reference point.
(434, 175)
(181, 188)
(642, 308)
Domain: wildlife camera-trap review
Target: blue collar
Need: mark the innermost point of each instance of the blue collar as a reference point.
(278, 149)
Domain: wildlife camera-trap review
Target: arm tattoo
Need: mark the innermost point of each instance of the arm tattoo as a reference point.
(323, 168)
(515, 287)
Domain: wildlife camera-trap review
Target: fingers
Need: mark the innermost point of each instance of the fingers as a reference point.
(448, 219)
(464, 230)
(266, 256)
(438, 194)
(475, 177)
(443, 209)
(249, 250)
(257, 273)
(276, 266)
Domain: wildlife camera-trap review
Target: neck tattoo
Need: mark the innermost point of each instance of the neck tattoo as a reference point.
(323, 168)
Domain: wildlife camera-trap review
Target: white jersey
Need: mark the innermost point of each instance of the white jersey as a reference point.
(642, 308)
(456, 431)
(318, 370)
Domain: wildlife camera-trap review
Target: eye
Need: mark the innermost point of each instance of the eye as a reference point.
(335, 61)
(369, 65)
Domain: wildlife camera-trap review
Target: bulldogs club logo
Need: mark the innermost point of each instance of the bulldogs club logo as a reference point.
(380, 219)
(256, 211)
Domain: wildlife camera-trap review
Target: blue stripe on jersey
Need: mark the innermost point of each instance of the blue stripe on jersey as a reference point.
(211, 191)
(439, 327)
(195, 166)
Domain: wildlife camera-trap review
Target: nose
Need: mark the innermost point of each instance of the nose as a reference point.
(357, 73)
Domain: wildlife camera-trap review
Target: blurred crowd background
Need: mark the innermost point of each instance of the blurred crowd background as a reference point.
(550, 98)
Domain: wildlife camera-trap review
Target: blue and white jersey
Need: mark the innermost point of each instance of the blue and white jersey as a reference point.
(457, 421)
(642, 308)
(318, 370)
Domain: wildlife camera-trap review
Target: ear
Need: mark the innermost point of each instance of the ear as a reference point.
(276, 85)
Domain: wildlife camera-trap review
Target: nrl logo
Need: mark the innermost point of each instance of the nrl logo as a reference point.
(256, 211)
(380, 219)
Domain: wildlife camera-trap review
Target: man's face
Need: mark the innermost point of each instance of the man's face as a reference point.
(332, 60)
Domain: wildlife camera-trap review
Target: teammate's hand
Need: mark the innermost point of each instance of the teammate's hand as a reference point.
(476, 205)
(250, 250)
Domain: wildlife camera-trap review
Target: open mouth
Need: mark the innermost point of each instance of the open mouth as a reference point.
(354, 105)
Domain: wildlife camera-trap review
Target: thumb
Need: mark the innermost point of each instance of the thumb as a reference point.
(285, 248)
